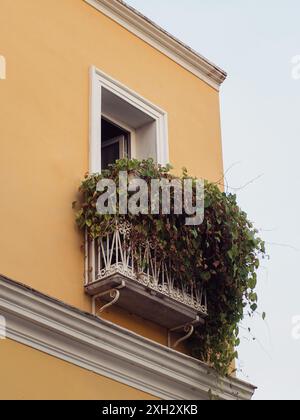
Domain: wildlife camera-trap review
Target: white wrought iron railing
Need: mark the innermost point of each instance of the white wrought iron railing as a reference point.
(110, 255)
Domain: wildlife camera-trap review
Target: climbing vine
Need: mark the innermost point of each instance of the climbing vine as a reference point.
(222, 254)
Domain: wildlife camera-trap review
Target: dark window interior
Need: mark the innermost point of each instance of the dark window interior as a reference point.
(115, 143)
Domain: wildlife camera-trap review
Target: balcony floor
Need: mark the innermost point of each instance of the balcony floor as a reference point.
(146, 303)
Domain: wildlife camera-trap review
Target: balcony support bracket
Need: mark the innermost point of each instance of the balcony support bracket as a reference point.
(114, 294)
(187, 329)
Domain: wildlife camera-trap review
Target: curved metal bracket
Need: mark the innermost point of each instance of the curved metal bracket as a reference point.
(187, 329)
(114, 295)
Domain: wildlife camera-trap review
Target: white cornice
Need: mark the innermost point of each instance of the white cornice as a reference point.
(158, 38)
(99, 346)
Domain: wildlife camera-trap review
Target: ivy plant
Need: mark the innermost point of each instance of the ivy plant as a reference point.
(222, 254)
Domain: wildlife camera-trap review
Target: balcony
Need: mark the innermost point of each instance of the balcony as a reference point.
(136, 280)
(195, 280)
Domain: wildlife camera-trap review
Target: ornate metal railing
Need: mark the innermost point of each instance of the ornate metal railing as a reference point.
(111, 255)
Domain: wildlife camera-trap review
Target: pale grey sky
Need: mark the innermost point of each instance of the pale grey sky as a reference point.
(255, 41)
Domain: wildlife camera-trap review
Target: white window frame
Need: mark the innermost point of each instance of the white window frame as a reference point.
(125, 127)
(117, 140)
(100, 80)
(2, 68)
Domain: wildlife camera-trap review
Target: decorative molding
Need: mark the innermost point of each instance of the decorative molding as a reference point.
(161, 40)
(98, 81)
(99, 346)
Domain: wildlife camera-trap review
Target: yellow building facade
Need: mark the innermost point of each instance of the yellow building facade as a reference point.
(58, 58)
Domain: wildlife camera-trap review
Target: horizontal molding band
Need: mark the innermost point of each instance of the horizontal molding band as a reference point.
(154, 35)
(62, 331)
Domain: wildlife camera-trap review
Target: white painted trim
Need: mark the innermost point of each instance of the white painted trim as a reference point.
(2, 68)
(99, 346)
(100, 80)
(95, 123)
(125, 127)
(161, 40)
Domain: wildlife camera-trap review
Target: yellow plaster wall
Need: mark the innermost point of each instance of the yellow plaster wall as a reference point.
(44, 126)
(29, 374)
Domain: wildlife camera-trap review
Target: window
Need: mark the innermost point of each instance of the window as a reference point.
(115, 143)
(124, 124)
(2, 68)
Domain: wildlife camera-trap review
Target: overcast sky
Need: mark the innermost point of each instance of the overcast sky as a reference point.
(255, 42)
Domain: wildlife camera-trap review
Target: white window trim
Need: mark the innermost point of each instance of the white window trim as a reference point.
(125, 127)
(99, 80)
(2, 68)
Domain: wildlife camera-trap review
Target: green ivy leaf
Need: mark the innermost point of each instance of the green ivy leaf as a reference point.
(253, 281)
